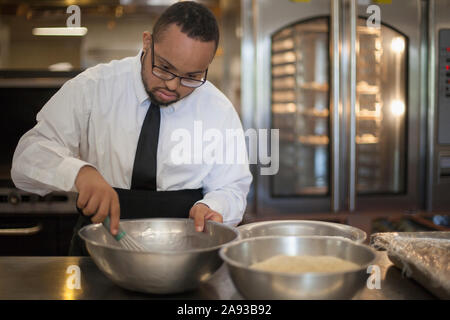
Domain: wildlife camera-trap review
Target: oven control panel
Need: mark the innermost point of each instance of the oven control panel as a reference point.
(13, 200)
(444, 87)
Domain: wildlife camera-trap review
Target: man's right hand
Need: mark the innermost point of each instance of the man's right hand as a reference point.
(97, 198)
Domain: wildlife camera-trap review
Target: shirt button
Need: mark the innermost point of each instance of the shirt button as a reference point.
(170, 109)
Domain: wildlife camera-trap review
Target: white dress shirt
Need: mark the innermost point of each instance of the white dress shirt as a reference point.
(95, 119)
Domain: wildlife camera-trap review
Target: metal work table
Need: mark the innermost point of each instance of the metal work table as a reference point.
(24, 278)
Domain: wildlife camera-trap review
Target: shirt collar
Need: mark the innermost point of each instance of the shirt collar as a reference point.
(139, 88)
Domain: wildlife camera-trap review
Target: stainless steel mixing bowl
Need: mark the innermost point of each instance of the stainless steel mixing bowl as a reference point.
(260, 285)
(300, 228)
(177, 260)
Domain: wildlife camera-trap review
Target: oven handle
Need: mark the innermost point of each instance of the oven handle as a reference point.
(21, 231)
(352, 131)
(334, 107)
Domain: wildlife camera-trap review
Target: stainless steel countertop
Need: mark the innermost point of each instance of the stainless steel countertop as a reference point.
(45, 278)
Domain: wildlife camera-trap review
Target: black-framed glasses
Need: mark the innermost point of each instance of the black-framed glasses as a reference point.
(167, 75)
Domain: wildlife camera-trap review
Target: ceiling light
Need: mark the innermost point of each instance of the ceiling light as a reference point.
(78, 32)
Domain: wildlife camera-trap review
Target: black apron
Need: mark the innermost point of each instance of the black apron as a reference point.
(139, 204)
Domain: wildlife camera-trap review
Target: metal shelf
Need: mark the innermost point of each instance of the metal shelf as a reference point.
(314, 140)
(367, 139)
(364, 88)
(314, 86)
(367, 30)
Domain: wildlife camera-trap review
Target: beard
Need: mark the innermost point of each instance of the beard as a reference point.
(155, 100)
(153, 97)
(150, 92)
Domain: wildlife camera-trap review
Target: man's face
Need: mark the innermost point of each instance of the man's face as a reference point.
(179, 54)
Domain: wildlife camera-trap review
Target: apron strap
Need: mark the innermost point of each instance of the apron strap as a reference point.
(140, 204)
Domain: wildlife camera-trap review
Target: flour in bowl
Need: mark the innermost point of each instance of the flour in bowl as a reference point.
(302, 264)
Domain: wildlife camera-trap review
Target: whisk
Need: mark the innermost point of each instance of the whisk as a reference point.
(124, 239)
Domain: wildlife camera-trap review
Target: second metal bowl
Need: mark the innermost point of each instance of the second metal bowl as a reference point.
(300, 228)
(262, 285)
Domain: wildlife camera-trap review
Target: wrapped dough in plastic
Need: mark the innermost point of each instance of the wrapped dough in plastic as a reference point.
(423, 256)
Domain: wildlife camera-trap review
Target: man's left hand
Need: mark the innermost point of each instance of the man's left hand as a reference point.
(200, 213)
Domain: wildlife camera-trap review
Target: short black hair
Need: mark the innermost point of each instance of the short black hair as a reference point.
(194, 19)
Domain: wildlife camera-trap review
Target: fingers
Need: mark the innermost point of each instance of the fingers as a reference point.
(199, 221)
(92, 205)
(198, 213)
(201, 213)
(217, 217)
(102, 212)
(82, 201)
(115, 214)
(97, 198)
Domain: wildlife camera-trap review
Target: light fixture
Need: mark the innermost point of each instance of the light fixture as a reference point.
(61, 66)
(398, 44)
(57, 31)
(397, 107)
(160, 2)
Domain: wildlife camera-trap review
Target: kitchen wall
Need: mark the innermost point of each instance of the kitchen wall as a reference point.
(111, 35)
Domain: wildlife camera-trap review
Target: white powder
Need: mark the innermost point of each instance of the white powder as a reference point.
(301, 264)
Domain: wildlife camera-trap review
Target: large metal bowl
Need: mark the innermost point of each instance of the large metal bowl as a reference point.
(261, 285)
(177, 260)
(300, 228)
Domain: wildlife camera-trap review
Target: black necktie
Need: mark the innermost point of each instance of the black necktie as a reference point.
(144, 169)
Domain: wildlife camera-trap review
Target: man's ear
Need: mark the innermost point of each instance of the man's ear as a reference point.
(146, 40)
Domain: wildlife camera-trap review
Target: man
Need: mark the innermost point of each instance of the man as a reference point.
(108, 134)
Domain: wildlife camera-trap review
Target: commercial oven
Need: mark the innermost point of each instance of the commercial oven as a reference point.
(30, 224)
(438, 174)
(346, 82)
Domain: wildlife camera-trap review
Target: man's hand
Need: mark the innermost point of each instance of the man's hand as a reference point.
(200, 213)
(97, 198)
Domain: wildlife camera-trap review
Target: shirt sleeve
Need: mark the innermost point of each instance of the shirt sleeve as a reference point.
(227, 184)
(47, 157)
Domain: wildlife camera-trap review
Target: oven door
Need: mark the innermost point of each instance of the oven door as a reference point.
(23, 94)
(347, 99)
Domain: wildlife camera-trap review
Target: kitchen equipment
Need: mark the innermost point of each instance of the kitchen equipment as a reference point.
(36, 234)
(255, 284)
(300, 228)
(177, 258)
(23, 93)
(123, 238)
(348, 93)
(438, 130)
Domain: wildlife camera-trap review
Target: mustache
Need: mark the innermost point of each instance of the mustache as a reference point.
(167, 90)
(176, 94)
(155, 100)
